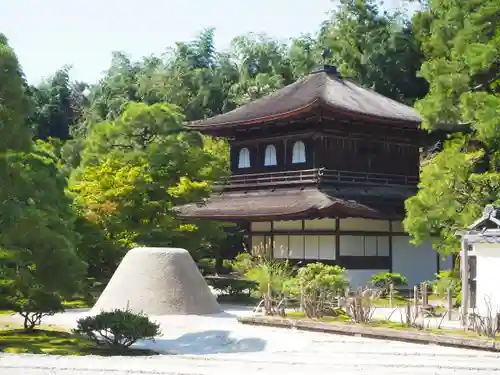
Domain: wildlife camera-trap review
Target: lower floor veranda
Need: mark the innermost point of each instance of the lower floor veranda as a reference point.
(363, 246)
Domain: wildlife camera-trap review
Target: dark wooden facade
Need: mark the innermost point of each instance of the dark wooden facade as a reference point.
(334, 145)
(361, 161)
(359, 149)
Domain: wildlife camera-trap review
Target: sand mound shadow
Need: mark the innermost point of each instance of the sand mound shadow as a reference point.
(207, 342)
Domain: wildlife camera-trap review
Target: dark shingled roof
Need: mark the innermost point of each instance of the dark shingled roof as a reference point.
(487, 228)
(320, 88)
(281, 204)
(489, 219)
(489, 236)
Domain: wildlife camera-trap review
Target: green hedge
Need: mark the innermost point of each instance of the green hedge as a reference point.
(231, 286)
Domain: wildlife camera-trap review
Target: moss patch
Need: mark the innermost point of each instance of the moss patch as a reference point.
(394, 325)
(55, 341)
(397, 301)
(76, 304)
(68, 305)
(301, 315)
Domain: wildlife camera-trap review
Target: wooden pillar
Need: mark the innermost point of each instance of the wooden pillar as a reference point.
(337, 240)
(390, 245)
(449, 300)
(465, 280)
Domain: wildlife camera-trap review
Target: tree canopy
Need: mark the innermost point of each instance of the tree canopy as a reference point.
(90, 169)
(36, 217)
(461, 42)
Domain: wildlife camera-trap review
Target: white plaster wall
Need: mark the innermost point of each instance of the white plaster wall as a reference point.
(288, 225)
(364, 225)
(361, 278)
(416, 263)
(260, 226)
(320, 224)
(488, 278)
(397, 226)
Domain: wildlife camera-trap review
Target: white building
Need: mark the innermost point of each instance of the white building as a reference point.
(481, 255)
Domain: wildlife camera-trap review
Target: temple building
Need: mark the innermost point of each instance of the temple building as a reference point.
(320, 171)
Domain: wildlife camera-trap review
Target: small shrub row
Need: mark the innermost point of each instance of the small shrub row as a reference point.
(231, 286)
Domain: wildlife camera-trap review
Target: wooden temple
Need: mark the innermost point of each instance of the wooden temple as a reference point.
(320, 171)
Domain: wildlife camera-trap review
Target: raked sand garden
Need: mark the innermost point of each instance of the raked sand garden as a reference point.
(192, 341)
(219, 344)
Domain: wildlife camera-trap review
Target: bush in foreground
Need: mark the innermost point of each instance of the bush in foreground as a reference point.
(34, 305)
(384, 280)
(319, 285)
(118, 328)
(447, 279)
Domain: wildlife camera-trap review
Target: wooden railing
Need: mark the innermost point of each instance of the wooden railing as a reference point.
(314, 176)
(334, 176)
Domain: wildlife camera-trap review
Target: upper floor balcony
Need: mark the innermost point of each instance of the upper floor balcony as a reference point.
(317, 176)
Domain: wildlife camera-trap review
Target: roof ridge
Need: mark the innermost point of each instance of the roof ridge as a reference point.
(342, 94)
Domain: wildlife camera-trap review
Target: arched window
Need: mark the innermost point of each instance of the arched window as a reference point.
(299, 152)
(270, 156)
(244, 158)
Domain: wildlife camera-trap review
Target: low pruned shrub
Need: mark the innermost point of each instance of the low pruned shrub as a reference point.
(118, 328)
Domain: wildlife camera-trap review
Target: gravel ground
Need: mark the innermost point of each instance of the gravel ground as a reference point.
(219, 345)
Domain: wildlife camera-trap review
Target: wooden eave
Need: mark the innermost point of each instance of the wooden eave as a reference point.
(288, 204)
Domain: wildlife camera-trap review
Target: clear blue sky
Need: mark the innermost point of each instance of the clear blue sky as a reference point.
(47, 34)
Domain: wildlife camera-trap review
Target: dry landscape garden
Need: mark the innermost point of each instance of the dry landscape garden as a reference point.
(92, 272)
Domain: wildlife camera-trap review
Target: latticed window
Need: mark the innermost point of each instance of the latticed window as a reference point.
(244, 158)
(270, 156)
(299, 152)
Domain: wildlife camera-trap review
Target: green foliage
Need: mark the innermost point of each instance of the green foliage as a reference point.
(291, 288)
(270, 276)
(134, 171)
(6, 290)
(447, 279)
(383, 280)
(56, 342)
(15, 105)
(319, 284)
(231, 286)
(375, 48)
(207, 266)
(450, 197)
(130, 160)
(460, 40)
(37, 222)
(33, 304)
(59, 104)
(118, 328)
(243, 262)
(36, 217)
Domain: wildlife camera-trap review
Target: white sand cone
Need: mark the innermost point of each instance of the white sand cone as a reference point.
(158, 281)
